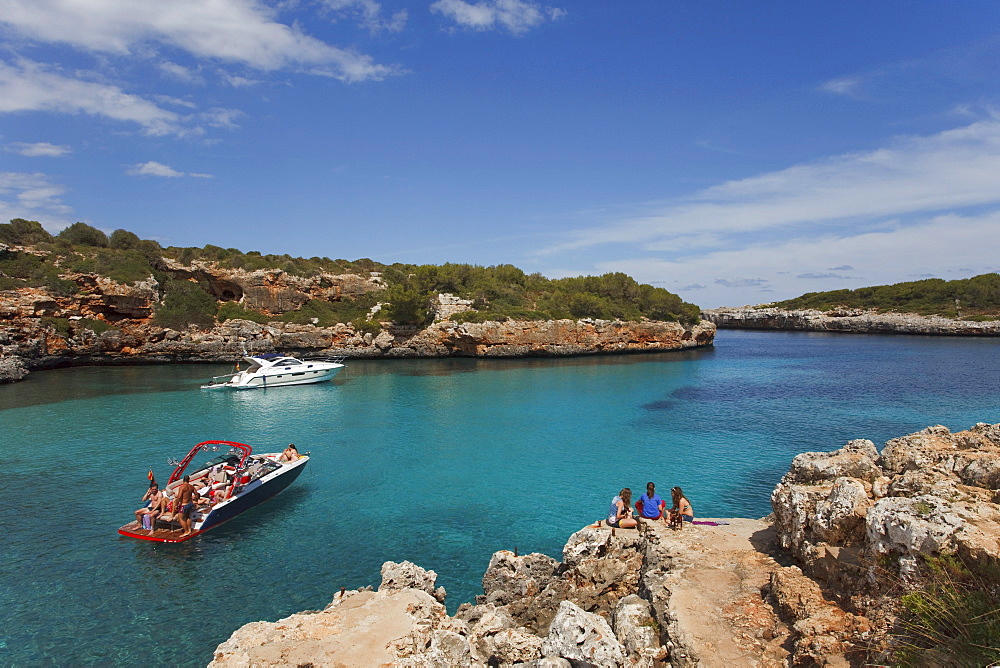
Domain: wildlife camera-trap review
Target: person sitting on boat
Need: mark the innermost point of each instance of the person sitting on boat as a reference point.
(184, 502)
(650, 505)
(681, 511)
(620, 512)
(290, 454)
(151, 499)
(161, 507)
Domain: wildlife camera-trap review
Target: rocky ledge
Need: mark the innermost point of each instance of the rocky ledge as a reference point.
(817, 583)
(855, 321)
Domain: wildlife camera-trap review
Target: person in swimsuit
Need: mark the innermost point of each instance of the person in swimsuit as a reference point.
(290, 454)
(681, 511)
(184, 500)
(152, 496)
(620, 512)
(650, 505)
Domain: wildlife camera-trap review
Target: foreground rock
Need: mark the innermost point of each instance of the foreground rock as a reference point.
(712, 595)
(856, 321)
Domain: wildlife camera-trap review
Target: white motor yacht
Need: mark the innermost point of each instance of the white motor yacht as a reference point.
(273, 370)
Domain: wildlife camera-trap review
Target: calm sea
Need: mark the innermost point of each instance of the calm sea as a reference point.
(437, 462)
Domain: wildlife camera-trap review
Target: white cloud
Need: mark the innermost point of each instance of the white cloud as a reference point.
(369, 14)
(947, 246)
(234, 31)
(842, 85)
(39, 149)
(34, 197)
(30, 86)
(915, 175)
(153, 168)
(515, 16)
(181, 73)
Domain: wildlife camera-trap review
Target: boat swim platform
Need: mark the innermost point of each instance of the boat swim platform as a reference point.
(160, 535)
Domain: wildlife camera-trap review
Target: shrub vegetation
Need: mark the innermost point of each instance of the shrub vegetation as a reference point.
(499, 292)
(954, 619)
(975, 298)
(185, 303)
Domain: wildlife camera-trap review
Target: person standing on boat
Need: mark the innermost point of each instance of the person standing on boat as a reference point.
(185, 502)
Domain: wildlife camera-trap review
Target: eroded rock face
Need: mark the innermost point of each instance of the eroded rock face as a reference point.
(850, 513)
(582, 637)
(407, 575)
(11, 369)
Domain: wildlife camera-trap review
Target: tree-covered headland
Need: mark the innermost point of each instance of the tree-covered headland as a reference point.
(976, 298)
(500, 292)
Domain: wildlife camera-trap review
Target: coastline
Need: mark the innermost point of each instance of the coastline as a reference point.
(818, 582)
(852, 321)
(26, 344)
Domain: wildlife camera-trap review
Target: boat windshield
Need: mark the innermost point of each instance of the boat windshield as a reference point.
(227, 460)
(287, 361)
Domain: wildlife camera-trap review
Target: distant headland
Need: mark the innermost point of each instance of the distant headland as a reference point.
(85, 298)
(964, 307)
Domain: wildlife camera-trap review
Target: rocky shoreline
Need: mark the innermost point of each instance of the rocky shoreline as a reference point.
(29, 345)
(856, 321)
(815, 583)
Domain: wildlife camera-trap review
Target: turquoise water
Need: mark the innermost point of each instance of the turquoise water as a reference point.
(437, 462)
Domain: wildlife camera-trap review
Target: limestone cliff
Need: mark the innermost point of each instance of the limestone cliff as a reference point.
(856, 321)
(111, 323)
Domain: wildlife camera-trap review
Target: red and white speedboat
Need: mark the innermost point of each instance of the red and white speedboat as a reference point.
(228, 484)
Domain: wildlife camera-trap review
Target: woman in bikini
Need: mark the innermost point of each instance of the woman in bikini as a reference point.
(620, 512)
(681, 511)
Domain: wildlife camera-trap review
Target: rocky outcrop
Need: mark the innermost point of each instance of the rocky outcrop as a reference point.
(650, 597)
(857, 321)
(851, 517)
(11, 369)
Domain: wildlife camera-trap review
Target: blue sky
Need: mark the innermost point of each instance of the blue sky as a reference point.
(732, 152)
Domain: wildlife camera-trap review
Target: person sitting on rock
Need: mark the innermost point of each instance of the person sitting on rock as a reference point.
(620, 512)
(650, 505)
(681, 511)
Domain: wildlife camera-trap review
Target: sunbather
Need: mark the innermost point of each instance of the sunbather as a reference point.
(681, 511)
(152, 499)
(620, 512)
(650, 505)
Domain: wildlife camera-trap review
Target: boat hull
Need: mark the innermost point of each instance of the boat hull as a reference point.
(258, 381)
(252, 495)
